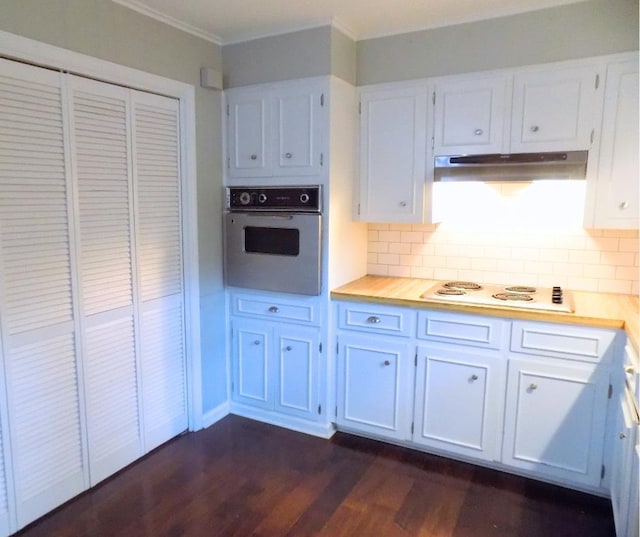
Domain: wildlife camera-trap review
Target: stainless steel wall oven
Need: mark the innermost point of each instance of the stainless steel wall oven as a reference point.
(273, 238)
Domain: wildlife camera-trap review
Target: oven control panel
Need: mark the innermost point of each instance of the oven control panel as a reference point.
(274, 198)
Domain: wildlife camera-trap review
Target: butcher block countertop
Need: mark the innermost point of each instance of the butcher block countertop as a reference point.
(605, 310)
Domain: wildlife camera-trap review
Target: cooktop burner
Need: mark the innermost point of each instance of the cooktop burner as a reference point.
(512, 296)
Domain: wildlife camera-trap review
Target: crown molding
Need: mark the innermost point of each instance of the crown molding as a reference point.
(135, 5)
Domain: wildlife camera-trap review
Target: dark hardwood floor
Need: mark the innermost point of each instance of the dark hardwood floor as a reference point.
(244, 478)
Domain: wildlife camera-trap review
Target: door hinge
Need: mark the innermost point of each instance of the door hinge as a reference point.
(593, 134)
(228, 162)
(597, 81)
(415, 360)
(411, 427)
(360, 107)
(610, 392)
(319, 409)
(232, 387)
(337, 347)
(432, 142)
(322, 99)
(602, 472)
(336, 411)
(320, 347)
(321, 159)
(227, 110)
(433, 98)
(358, 209)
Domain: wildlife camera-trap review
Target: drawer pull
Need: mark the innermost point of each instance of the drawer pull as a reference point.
(387, 362)
(622, 436)
(532, 387)
(473, 378)
(288, 348)
(274, 309)
(256, 342)
(373, 320)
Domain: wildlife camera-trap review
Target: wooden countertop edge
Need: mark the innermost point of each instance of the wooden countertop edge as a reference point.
(380, 296)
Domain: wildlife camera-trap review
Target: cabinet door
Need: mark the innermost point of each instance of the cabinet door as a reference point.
(553, 110)
(458, 406)
(295, 375)
(617, 198)
(469, 116)
(393, 128)
(554, 422)
(251, 382)
(375, 386)
(247, 133)
(297, 129)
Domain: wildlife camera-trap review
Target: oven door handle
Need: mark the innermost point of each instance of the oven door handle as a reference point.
(271, 216)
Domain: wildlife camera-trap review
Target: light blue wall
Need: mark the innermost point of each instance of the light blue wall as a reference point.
(108, 31)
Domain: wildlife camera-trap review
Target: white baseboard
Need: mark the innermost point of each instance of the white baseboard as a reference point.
(322, 430)
(215, 414)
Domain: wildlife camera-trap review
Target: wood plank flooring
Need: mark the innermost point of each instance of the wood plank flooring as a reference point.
(244, 478)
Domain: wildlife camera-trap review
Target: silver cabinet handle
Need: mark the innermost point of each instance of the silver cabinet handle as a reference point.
(256, 342)
(629, 370)
(387, 362)
(623, 205)
(534, 128)
(288, 348)
(254, 157)
(622, 436)
(478, 132)
(533, 387)
(274, 309)
(403, 204)
(288, 155)
(373, 319)
(473, 377)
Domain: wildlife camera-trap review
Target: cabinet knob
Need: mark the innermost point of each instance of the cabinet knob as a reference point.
(274, 309)
(387, 362)
(403, 204)
(533, 387)
(623, 205)
(256, 342)
(254, 157)
(534, 128)
(288, 348)
(629, 370)
(473, 378)
(373, 319)
(622, 436)
(478, 132)
(288, 155)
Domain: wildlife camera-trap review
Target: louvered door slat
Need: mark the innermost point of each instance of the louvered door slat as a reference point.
(158, 231)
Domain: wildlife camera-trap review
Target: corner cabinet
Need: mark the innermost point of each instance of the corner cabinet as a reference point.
(615, 190)
(275, 130)
(393, 146)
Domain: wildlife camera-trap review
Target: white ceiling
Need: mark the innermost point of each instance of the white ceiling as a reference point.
(231, 21)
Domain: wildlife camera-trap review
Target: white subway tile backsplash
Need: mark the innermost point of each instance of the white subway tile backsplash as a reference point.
(589, 260)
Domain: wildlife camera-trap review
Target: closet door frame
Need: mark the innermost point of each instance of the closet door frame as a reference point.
(28, 50)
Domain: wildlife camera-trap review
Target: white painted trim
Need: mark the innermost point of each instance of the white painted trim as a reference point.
(147, 11)
(27, 50)
(215, 414)
(320, 429)
(283, 30)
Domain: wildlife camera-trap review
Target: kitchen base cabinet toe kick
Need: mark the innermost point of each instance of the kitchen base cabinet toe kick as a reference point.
(529, 398)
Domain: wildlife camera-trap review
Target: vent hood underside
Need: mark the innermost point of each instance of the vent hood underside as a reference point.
(512, 167)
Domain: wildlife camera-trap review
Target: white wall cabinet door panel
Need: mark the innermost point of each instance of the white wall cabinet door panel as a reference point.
(295, 375)
(156, 171)
(37, 306)
(554, 420)
(100, 146)
(458, 405)
(470, 115)
(375, 386)
(247, 133)
(251, 371)
(296, 130)
(617, 197)
(553, 110)
(393, 129)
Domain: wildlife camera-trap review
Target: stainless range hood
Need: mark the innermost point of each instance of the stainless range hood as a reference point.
(512, 167)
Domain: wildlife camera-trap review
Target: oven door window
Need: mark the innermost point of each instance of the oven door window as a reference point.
(272, 240)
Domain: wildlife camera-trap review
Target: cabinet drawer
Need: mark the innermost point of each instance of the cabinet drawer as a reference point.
(276, 309)
(585, 344)
(377, 319)
(487, 332)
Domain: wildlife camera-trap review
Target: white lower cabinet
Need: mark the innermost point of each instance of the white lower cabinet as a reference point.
(459, 400)
(375, 385)
(555, 419)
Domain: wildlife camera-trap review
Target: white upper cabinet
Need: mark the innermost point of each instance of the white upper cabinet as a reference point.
(470, 114)
(393, 134)
(616, 203)
(553, 109)
(275, 130)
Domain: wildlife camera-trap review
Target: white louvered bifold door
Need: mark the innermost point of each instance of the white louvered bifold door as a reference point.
(37, 305)
(100, 141)
(156, 158)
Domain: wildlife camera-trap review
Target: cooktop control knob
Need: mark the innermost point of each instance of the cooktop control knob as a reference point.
(245, 198)
(262, 197)
(304, 197)
(556, 295)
